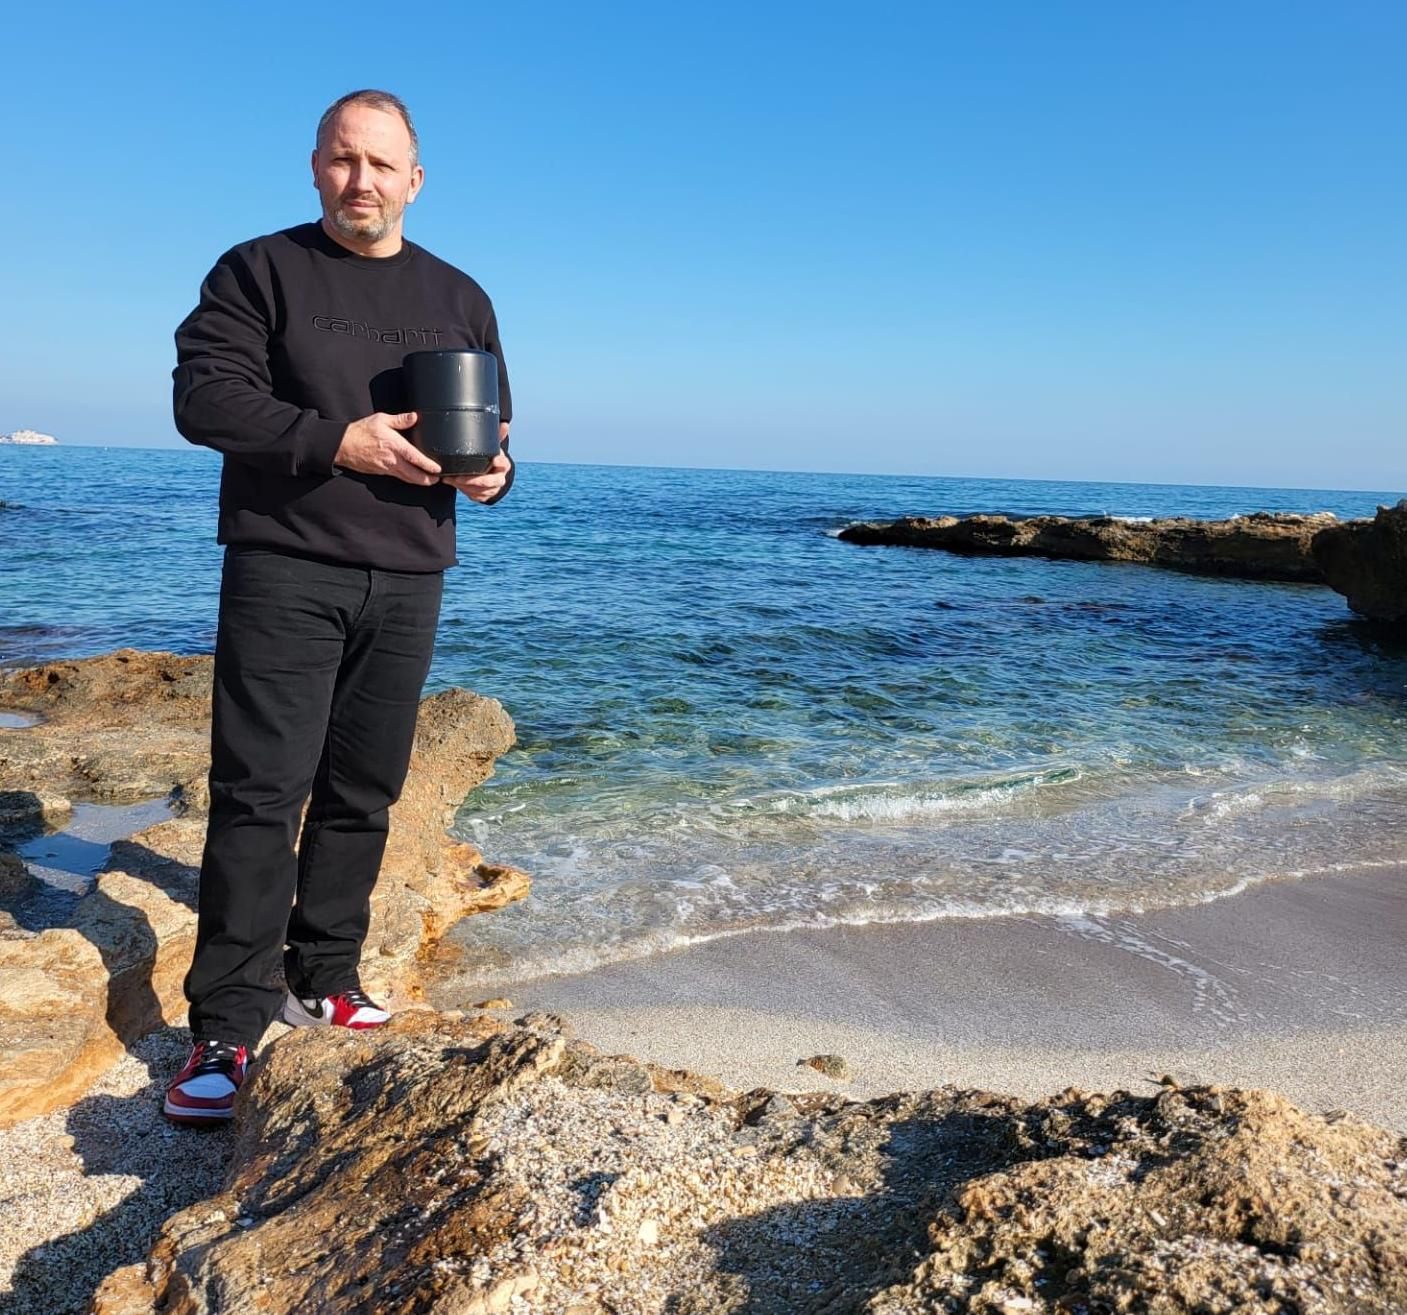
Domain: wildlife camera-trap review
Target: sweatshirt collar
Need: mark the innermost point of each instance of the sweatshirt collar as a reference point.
(338, 252)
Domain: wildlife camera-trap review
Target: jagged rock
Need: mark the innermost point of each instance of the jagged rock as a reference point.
(428, 880)
(450, 1164)
(1367, 562)
(53, 1040)
(1261, 546)
(118, 728)
(130, 726)
(1199, 1200)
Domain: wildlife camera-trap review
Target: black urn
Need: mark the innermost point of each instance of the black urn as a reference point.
(455, 398)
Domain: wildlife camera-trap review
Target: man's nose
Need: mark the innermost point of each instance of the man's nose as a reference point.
(361, 175)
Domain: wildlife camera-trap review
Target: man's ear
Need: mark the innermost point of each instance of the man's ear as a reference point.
(417, 181)
(314, 164)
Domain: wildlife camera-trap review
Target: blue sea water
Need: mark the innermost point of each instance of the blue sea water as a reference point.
(728, 719)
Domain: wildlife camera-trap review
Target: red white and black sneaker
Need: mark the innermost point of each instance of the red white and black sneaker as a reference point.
(204, 1091)
(353, 1008)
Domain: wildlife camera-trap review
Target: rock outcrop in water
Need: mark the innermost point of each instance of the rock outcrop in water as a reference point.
(84, 977)
(1262, 546)
(1367, 562)
(471, 1166)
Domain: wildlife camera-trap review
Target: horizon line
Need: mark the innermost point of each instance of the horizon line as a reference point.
(770, 470)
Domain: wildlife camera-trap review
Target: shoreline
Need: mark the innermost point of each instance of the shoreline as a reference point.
(1297, 985)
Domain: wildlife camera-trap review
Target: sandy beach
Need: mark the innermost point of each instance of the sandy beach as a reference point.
(1298, 986)
(1295, 986)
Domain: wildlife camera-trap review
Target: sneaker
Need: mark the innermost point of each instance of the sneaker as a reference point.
(204, 1091)
(352, 1008)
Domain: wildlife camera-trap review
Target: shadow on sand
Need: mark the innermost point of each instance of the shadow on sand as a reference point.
(119, 1136)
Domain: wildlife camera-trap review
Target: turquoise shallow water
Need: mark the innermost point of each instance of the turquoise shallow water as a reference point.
(729, 719)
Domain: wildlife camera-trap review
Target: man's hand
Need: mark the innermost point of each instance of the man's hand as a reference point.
(482, 487)
(374, 446)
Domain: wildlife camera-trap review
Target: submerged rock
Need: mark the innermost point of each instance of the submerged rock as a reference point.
(86, 979)
(469, 1165)
(1261, 546)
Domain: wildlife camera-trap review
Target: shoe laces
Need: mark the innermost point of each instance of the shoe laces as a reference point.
(217, 1057)
(358, 998)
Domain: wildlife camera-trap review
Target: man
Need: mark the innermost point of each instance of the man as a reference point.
(337, 532)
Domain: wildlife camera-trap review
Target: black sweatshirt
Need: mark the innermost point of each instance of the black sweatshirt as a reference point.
(294, 338)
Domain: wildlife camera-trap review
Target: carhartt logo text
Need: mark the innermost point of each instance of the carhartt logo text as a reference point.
(374, 333)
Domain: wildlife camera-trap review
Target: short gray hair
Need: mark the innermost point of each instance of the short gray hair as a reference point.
(376, 100)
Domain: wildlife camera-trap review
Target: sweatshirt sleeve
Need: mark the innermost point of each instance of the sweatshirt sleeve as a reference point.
(223, 394)
(493, 344)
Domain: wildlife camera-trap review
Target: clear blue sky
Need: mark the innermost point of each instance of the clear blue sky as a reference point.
(1049, 240)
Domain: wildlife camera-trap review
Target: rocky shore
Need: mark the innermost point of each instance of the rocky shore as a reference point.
(1262, 546)
(463, 1164)
(471, 1166)
(1365, 560)
(87, 974)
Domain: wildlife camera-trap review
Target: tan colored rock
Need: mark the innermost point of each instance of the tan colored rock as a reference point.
(458, 1166)
(1200, 1200)
(121, 727)
(832, 1066)
(124, 1291)
(76, 996)
(429, 881)
(52, 1037)
(131, 726)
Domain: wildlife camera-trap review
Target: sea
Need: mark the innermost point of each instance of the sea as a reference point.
(728, 719)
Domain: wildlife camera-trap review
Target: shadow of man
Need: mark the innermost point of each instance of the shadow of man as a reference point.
(832, 1255)
(138, 1166)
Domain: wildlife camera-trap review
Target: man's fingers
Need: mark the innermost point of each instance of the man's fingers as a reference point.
(490, 481)
(412, 474)
(403, 421)
(415, 457)
(412, 465)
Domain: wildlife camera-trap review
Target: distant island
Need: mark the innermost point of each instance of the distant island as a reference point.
(29, 438)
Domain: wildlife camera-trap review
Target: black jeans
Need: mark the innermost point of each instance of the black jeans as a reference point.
(318, 673)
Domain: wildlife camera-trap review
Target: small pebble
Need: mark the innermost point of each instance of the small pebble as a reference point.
(833, 1066)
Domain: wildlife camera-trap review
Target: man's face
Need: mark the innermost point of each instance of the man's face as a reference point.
(363, 172)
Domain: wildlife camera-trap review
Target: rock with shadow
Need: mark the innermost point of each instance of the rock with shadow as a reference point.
(469, 1165)
(87, 973)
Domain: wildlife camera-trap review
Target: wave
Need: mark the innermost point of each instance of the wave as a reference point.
(897, 801)
(497, 969)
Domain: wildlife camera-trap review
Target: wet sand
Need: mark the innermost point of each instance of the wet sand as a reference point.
(1298, 986)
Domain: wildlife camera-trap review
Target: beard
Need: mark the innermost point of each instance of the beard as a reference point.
(364, 227)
